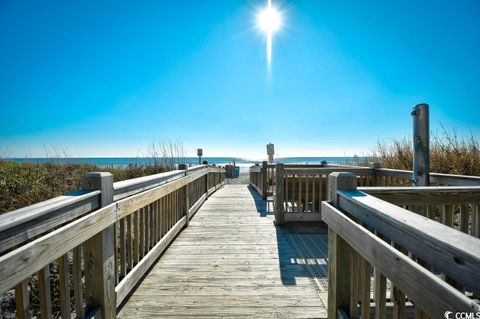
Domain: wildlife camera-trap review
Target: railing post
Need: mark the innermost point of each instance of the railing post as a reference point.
(374, 166)
(421, 145)
(339, 252)
(185, 198)
(264, 180)
(279, 194)
(99, 253)
(206, 180)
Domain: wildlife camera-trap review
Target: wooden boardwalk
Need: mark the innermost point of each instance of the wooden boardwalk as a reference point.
(233, 262)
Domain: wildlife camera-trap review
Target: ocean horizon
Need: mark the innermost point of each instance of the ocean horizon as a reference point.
(244, 164)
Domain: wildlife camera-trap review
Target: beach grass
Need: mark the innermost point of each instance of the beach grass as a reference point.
(27, 183)
(449, 154)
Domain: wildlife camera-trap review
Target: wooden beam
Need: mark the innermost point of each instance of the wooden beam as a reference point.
(339, 252)
(20, 263)
(99, 253)
(447, 250)
(279, 195)
(131, 279)
(264, 180)
(433, 195)
(425, 288)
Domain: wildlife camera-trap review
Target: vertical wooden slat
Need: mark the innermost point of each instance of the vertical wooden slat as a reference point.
(123, 250)
(397, 295)
(129, 243)
(314, 179)
(476, 220)
(464, 214)
(355, 274)
(380, 294)
(157, 218)
(136, 243)
(44, 290)
(365, 291)
(64, 283)
(447, 215)
(142, 232)
(77, 282)
(320, 189)
(22, 302)
(279, 195)
(300, 205)
(148, 227)
(307, 179)
(155, 222)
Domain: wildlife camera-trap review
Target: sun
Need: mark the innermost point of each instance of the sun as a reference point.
(269, 20)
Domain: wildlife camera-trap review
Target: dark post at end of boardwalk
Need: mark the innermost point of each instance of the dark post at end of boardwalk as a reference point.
(339, 252)
(99, 253)
(279, 195)
(421, 145)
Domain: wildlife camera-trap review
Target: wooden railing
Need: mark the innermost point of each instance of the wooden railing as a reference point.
(417, 265)
(96, 243)
(299, 190)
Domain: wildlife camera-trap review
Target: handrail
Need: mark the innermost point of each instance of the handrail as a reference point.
(446, 249)
(433, 195)
(132, 186)
(120, 240)
(431, 293)
(26, 223)
(406, 248)
(327, 170)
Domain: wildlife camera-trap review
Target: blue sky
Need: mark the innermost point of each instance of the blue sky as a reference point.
(109, 78)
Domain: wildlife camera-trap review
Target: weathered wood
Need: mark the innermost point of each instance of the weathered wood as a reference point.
(17, 265)
(279, 195)
(132, 278)
(64, 283)
(264, 180)
(185, 199)
(445, 249)
(22, 303)
(433, 195)
(380, 295)
(232, 261)
(302, 217)
(339, 252)
(431, 293)
(77, 282)
(99, 252)
(130, 204)
(421, 145)
(44, 292)
(23, 224)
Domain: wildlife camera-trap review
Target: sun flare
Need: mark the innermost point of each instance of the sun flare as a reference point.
(269, 20)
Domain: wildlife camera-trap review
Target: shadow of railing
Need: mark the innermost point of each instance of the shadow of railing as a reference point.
(302, 248)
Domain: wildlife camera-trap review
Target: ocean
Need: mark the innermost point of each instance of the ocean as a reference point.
(244, 164)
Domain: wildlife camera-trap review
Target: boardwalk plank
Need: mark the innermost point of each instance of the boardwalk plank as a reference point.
(232, 261)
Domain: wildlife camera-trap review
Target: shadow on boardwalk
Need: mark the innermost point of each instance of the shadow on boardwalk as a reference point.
(302, 248)
(231, 261)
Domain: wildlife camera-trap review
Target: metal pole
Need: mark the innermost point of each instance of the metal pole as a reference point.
(421, 145)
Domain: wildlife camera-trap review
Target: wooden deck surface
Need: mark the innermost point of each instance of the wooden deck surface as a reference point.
(232, 261)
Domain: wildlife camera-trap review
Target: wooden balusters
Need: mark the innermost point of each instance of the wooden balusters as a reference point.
(44, 291)
(64, 282)
(78, 282)
(22, 302)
